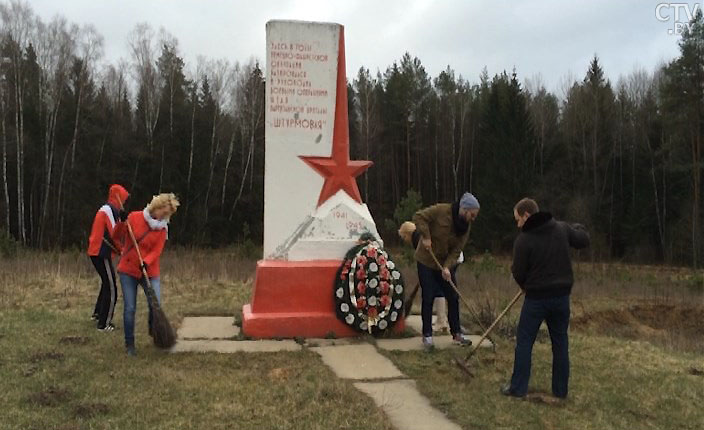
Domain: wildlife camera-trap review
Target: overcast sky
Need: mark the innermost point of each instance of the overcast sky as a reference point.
(552, 38)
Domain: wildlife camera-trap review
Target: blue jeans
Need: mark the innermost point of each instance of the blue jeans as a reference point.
(431, 283)
(129, 293)
(556, 313)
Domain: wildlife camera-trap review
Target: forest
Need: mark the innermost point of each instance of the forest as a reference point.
(621, 156)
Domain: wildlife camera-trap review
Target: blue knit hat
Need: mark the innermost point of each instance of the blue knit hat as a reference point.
(468, 201)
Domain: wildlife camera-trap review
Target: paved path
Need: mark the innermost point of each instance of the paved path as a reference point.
(350, 359)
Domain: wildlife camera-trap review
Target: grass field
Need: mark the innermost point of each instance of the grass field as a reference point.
(637, 344)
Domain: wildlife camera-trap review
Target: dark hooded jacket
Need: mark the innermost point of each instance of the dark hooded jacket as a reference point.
(541, 256)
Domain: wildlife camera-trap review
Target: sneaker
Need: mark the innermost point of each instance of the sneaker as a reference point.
(459, 339)
(506, 390)
(94, 317)
(107, 328)
(131, 351)
(428, 343)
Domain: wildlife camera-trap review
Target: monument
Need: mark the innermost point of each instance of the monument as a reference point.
(313, 211)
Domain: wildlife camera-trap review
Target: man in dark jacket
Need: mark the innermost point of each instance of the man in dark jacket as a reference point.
(543, 269)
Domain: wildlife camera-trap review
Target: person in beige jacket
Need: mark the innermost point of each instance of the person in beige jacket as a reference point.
(444, 230)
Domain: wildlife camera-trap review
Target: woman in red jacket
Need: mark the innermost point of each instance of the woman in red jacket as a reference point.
(151, 228)
(101, 248)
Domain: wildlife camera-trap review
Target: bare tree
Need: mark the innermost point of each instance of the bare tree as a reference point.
(54, 45)
(89, 44)
(169, 45)
(237, 73)
(220, 78)
(17, 23)
(367, 114)
(3, 110)
(196, 75)
(144, 47)
(250, 114)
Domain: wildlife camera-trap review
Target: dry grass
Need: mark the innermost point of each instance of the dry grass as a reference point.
(636, 348)
(615, 384)
(58, 372)
(631, 368)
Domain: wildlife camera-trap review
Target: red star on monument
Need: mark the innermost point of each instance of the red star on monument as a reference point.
(339, 172)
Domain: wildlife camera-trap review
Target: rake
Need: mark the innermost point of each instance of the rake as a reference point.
(464, 364)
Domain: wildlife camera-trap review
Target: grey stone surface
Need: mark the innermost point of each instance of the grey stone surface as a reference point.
(230, 346)
(315, 342)
(406, 408)
(208, 328)
(416, 344)
(359, 362)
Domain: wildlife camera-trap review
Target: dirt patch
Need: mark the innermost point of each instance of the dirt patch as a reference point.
(52, 396)
(696, 372)
(73, 340)
(31, 370)
(90, 410)
(45, 356)
(673, 324)
(282, 373)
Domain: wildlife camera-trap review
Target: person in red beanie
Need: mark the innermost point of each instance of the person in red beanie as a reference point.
(151, 230)
(101, 249)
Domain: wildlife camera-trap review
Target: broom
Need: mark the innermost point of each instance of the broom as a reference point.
(162, 332)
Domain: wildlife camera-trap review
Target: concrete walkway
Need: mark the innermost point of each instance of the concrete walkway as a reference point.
(208, 328)
(390, 389)
(406, 408)
(350, 359)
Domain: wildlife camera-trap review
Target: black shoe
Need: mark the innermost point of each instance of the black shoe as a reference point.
(94, 317)
(506, 390)
(131, 351)
(108, 328)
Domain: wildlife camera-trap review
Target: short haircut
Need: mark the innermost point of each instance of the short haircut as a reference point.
(526, 206)
(406, 231)
(164, 200)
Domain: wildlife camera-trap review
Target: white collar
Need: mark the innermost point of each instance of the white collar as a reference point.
(156, 224)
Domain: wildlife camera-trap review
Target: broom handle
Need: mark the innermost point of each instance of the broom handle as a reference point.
(139, 255)
(454, 287)
(496, 321)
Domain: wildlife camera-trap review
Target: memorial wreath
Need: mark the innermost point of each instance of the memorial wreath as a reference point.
(368, 288)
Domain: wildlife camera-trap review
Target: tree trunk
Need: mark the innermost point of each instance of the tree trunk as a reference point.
(190, 154)
(19, 127)
(213, 152)
(4, 160)
(230, 150)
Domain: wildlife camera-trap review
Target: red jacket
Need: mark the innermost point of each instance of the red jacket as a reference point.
(151, 243)
(105, 221)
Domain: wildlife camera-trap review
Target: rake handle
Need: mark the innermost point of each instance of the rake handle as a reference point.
(496, 321)
(454, 287)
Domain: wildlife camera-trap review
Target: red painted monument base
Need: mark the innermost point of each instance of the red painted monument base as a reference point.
(295, 299)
